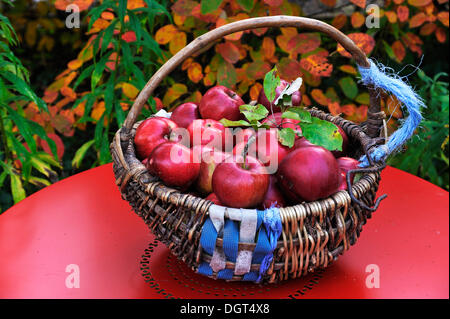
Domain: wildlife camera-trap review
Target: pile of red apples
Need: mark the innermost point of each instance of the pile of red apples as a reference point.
(238, 166)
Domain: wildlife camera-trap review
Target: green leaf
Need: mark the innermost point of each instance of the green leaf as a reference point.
(389, 51)
(247, 5)
(7, 30)
(209, 6)
(26, 170)
(96, 12)
(41, 166)
(298, 114)
(139, 76)
(322, 133)
(3, 91)
(107, 35)
(98, 71)
(286, 136)
(147, 113)
(3, 176)
(226, 74)
(24, 128)
(48, 159)
(363, 98)
(109, 94)
(85, 74)
(229, 123)
(135, 25)
(105, 154)
(95, 45)
(349, 87)
(122, 10)
(40, 182)
(151, 44)
(287, 101)
(80, 153)
(154, 5)
(39, 130)
(98, 132)
(152, 103)
(395, 30)
(17, 190)
(332, 94)
(22, 153)
(254, 112)
(127, 56)
(120, 114)
(23, 88)
(10, 63)
(271, 81)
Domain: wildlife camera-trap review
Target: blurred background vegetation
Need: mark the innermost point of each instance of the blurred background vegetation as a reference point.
(65, 91)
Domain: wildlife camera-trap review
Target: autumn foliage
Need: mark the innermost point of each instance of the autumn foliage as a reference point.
(129, 40)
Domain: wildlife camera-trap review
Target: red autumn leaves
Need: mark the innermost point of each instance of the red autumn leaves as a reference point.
(238, 64)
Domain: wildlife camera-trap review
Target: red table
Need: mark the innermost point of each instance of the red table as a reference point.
(83, 221)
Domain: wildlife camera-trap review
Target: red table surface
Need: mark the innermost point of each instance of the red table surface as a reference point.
(82, 220)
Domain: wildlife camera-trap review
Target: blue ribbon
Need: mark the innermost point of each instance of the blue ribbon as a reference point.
(273, 226)
(384, 78)
(263, 254)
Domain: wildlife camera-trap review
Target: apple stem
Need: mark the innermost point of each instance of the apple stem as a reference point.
(251, 140)
(271, 107)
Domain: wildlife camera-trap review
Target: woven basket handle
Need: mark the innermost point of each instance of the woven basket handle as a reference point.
(253, 23)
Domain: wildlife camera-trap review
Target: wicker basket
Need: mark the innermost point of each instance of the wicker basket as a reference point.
(313, 234)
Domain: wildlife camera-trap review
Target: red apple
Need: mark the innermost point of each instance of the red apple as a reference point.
(209, 162)
(273, 196)
(302, 142)
(239, 184)
(346, 164)
(173, 164)
(310, 173)
(148, 163)
(262, 99)
(210, 133)
(185, 114)
(266, 148)
(220, 102)
(213, 198)
(199, 150)
(290, 196)
(344, 143)
(151, 133)
(342, 182)
(275, 120)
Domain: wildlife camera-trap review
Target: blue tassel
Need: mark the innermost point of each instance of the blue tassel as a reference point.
(272, 223)
(378, 77)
